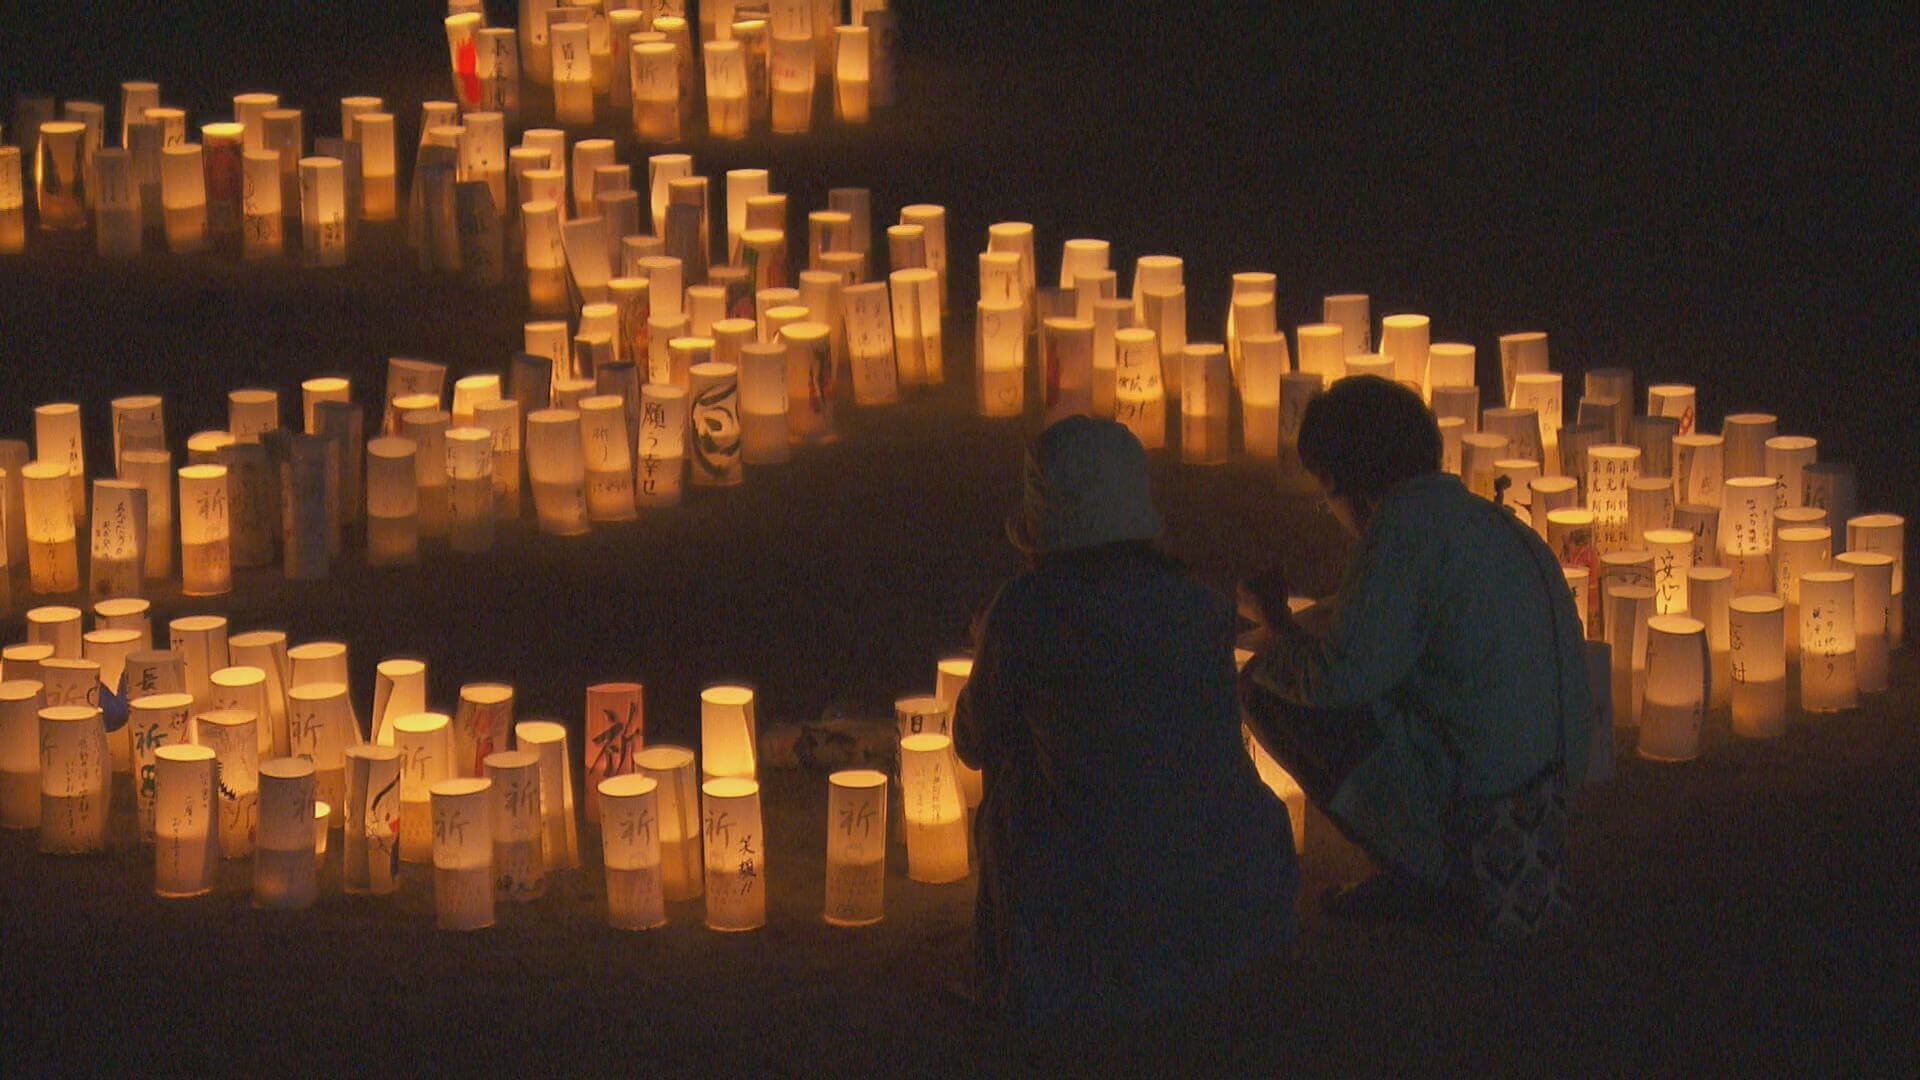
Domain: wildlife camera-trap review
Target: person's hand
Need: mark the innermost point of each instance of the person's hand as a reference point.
(1262, 598)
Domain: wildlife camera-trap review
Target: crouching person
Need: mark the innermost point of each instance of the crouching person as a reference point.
(1130, 858)
(1442, 717)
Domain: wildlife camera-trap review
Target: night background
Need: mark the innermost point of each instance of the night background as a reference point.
(1722, 199)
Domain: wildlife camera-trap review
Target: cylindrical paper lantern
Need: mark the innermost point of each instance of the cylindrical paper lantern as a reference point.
(399, 689)
(393, 502)
(663, 445)
(557, 470)
(184, 779)
(1830, 486)
(951, 675)
(1798, 551)
(727, 732)
(1872, 597)
(1746, 436)
(1672, 551)
(809, 382)
(609, 468)
(935, 813)
(427, 428)
(1786, 458)
(1746, 531)
(1404, 339)
(60, 183)
(482, 724)
(917, 335)
(680, 846)
(371, 837)
(615, 730)
(630, 839)
(1206, 385)
(284, 867)
(20, 705)
(763, 403)
(1263, 370)
(426, 757)
(1886, 534)
(518, 865)
(469, 453)
(549, 740)
(323, 211)
(25, 661)
(1676, 692)
(1698, 463)
(1709, 589)
(736, 883)
(462, 854)
(154, 720)
(13, 213)
(266, 651)
(206, 566)
(245, 689)
(75, 789)
(230, 734)
(1139, 395)
(1323, 350)
(53, 557)
(320, 728)
(1829, 680)
(714, 415)
(201, 643)
(1756, 634)
(502, 419)
(57, 625)
(856, 847)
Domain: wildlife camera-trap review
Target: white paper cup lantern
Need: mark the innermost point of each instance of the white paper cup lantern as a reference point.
(1746, 532)
(370, 860)
(519, 866)
(60, 175)
(393, 503)
(557, 470)
(75, 791)
(20, 704)
(735, 847)
(26, 660)
(856, 847)
(1798, 551)
(1139, 396)
(917, 334)
(559, 819)
(469, 453)
(630, 840)
(320, 728)
(424, 742)
(1886, 534)
(482, 724)
(229, 733)
(763, 403)
(1709, 590)
(1698, 468)
(663, 445)
(1756, 632)
(323, 211)
(681, 865)
(184, 849)
(727, 732)
(1829, 679)
(1627, 609)
(53, 557)
(1872, 598)
(1323, 350)
(57, 625)
(245, 689)
(609, 466)
(183, 196)
(1675, 704)
(935, 813)
(1206, 386)
(266, 651)
(1672, 551)
(1263, 369)
(153, 721)
(714, 416)
(462, 854)
(502, 420)
(810, 382)
(614, 732)
(1543, 392)
(201, 643)
(262, 227)
(206, 565)
(285, 874)
(1786, 458)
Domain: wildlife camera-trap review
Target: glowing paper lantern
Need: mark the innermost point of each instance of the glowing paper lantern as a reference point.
(1746, 532)
(1676, 692)
(736, 886)
(1404, 339)
(59, 174)
(424, 742)
(323, 211)
(1206, 385)
(1543, 392)
(671, 767)
(427, 428)
(856, 847)
(1756, 631)
(1262, 367)
(74, 780)
(1672, 551)
(181, 813)
(518, 866)
(1872, 597)
(205, 557)
(266, 651)
(923, 714)
(1797, 552)
(1139, 397)
(502, 421)
(1829, 680)
(371, 829)
(628, 808)
(154, 721)
(229, 733)
(320, 728)
(1698, 463)
(462, 854)
(1709, 589)
(117, 222)
(558, 817)
(53, 558)
(763, 403)
(393, 506)
(1627, 609)
(13, 214)
(1746, 436)
(1786, 458)
(727, 732)
(663, 445)
(917, 335)
(1001, 343)
(200, 641)
(469, 453)
(615, 729)
(1066, 365)
(20, 704)
(244, 689)
(1886, 534)
(1323, 350)
(557, 470)
(1478, 452)
(935, 812)
(1457, 401)
(57, 625)
(284, 867)
(951, 675)
(25, 660)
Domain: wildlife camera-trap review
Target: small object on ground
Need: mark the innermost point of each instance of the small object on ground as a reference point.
(835, 741)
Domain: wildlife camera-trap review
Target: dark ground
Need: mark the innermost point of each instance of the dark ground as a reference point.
(1703, 200)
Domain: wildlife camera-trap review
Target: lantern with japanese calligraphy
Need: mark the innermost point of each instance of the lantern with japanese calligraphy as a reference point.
(1709, 589)
(663, 445)
(482, 723)
(1675, 702)
(284, 866)
(320, 727)
(1885, 533)
(856, 847)
(462, 853)
(628, 809)
(615, 730)
(205, 559)
(154, 720)
(735, 846)
(1139, 398)
(20, 704)
(606, 451)
(518, 865)
(558, 817)
(1746, 532)
(935, 813)
(1001, 344)
(680, 859)
(74, 780)
(53, 556)
(244, 688)
(1829, 679)
(181, 809)
(229, 733)
(469, 452)
(1672, 551)
(1756, 633)
(323, 211)
(1798, 551)
(426, 757)
(201, 643)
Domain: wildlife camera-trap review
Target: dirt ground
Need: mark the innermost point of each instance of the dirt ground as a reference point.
(1707, 203)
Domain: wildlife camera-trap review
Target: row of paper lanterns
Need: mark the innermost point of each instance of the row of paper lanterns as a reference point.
(241, 747)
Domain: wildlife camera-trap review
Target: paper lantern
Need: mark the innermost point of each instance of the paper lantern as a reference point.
(810, 382)
(1672, 551)
(284, 866)
(205, 557)
(856, 847)
(714, 415)
(230, 734)
(463, 884)
(74, 780)
(323, 211)
(935, 813)
(181, 820)
(1543, 392)
(1831, 486)
(469, 453)
(917, 335)
(663, 445)
(671, 767)
(1886, 534)
(116, 194)
(1323, 350)
(1797, 552)
(615, 730)
(13, 506)
(556, 468)
(482, 724)
(245, 689)
(628, 808)
(1756, 634)
(923, 714)
(370, 861)
(1206, 385)
(24, 660)
(1000, 360)
(1519, 426)
(282, 133)
(393, 507)
(13, 214)
(502, 421)
(57, 625)
(518, 865)
(951, 675)
(549, 740)
(1139, 397)
(320, 727)
(20, 704)
(736, 887)
(201, 643)
(1746, 531)
(1746, 435)
(1404, 339)
(763, 403)
(53, 559)
(1709, 590)
(59, 173)
(1166, 315)
(154, 720)
(427, 428)
(728, 732)
(221, 148)
(1872, 598)
(1262, 366)
(1462, 402)
(183, 196)
(1786, 458)
(1627, 609)
(1478, 452)
(1375, 364)
(1609, 467)
(264, 651)
(1447, 363)
(1829, 678)
(1674, 708)
(424, 742)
